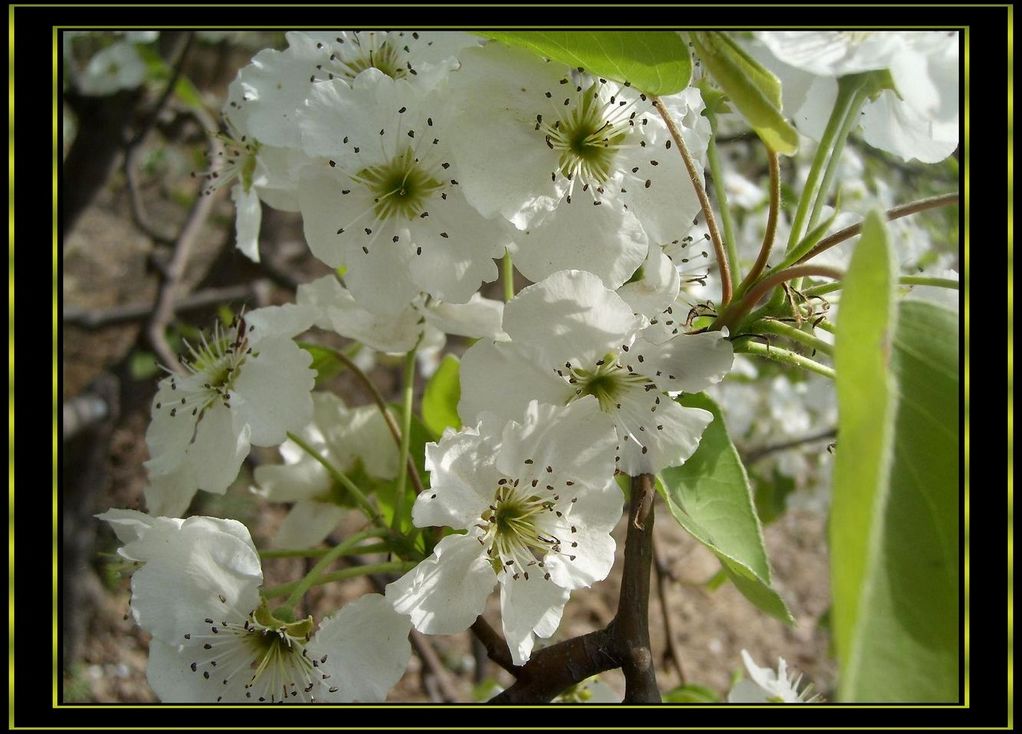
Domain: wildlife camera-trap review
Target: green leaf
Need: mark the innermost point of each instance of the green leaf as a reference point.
(386, 491)
(655, 62)
(709, 496)
(771, 495)
(440, 399)
(691, 693)
(754, 90)
(894, 516)
(324, 361)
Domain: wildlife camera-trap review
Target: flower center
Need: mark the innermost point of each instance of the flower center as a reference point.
(587, 138)
(513, 530)
(238, 157)
(607, 382)
(372, 54)
(400, 187)
(253, 661)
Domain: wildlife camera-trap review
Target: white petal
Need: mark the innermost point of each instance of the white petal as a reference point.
(891, 125)
(168, 435)
(128, 525)
(301, 480)
(605, 240)
(364, 436)
(480, 318)
(528, 606)
(278, 321)
(320, 295)
(687, 362)
(574, 443)
(592, 516)
(656, 289)
(502, 378)
(367, 648)
(221, 445)
(308, 524)
(271, 394)
(463, 478)
(571, 315)
(247, 221)
(171, 679)
(187, 570)
(169, 495)
(394, 333)
(671, 432)
(447, 591)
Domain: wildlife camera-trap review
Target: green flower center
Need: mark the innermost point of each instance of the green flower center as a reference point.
(401, 187)
(586, 139)
(383, 57)
(607, 382)
(512, 533)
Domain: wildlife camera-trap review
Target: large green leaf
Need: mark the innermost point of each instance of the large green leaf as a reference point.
(709, 496)
(655, 62)
(894, 517)
(754, 90)
(440, 398)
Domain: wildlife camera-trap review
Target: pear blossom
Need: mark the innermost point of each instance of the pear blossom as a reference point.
(278, 83)
(917, 118)
(197, 593)
(355, 439)
(538, 502)
(247, 385)
(117, 67)
(423, 321)
(582, 166)
(766, 686)
(571, 337)
(387, 202)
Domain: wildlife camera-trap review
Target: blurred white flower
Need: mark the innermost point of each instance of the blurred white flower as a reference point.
(766, 686)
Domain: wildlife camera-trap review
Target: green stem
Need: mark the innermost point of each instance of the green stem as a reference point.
(784, 357)
(408, 399)
(770, 326)
(338, 476)
(316, 552)
(825, 288)
(737, 311)
(837, 115)
(834, 162)
(508, 276)
(306, 583)
(717, 176)
(342, 575)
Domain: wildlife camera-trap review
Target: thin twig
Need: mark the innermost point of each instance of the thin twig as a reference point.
(134, 146)
(395, 431)
(661, 585)
(164, 311)
(897, 212)
(771, 227)
(704, 201)
(126, 313)
(753, 455)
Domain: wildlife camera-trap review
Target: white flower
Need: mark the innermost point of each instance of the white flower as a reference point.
(424, 321)
(571, 337)
(350, 439)
(388, 204)
(767, 686)
(583, 166)
(278, 83)
(112, 69)
(249, 384)
(538, 501)
(197, 593)
(916, 119)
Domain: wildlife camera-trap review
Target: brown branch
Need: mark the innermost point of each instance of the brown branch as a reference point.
(771, 227)
(424, 649)
(496, 647)
(704, 202)
(624, 643)
(662, 574)
(897, 212)
(126, 313)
